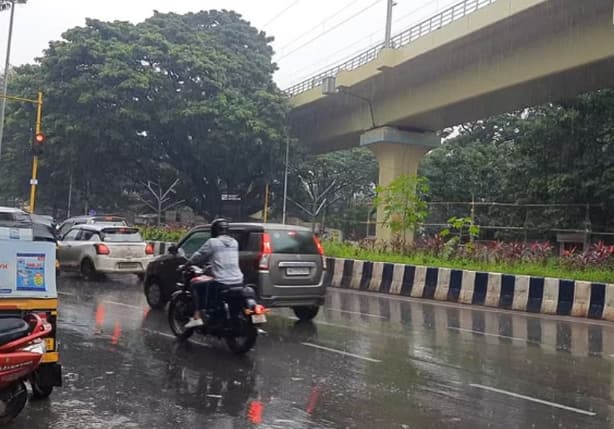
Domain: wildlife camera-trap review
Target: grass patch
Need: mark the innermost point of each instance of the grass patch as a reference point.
(551, 268)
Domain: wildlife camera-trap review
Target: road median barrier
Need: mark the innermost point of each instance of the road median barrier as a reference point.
(513, 292)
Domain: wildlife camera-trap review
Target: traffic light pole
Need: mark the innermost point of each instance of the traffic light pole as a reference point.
(34, 179)
(39, 119)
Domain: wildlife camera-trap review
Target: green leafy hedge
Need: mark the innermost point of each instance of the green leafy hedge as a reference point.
(171, 235)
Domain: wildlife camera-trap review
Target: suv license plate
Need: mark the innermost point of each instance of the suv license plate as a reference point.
(258, 318)
(128, 265)
(297, 271)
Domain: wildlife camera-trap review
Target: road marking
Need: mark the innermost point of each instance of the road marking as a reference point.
(525, 340)
(320, 322)
(536, 400)
(66, 293)
(121, 304)
(356, 312)
(341, 352)
(164, 334)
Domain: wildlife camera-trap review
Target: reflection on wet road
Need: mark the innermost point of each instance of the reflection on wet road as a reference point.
(368, 361)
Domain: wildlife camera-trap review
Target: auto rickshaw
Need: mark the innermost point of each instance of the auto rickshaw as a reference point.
(28, 285)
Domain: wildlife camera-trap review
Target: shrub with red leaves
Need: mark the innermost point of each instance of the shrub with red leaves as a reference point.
(599, 255)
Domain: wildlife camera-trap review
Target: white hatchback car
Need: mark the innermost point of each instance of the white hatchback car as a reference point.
(97, 249)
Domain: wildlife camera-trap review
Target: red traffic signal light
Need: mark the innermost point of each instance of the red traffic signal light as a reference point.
(39, 138)
(37, 146)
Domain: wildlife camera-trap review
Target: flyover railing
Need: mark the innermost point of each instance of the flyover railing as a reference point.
(434, 23)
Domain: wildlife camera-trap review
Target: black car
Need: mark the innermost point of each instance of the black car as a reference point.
(285, 264)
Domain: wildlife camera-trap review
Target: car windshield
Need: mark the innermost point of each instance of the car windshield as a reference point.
(121, 235)
(288, 241)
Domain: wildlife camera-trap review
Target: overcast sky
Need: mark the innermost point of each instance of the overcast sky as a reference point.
(309, 34)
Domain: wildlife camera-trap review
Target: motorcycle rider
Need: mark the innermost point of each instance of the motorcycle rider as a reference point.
(222, 253)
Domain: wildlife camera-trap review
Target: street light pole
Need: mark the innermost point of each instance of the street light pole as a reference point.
(283, 214)
(387, 40)
(5, 82)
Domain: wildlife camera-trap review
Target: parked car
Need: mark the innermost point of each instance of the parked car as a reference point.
(103, 249)
(285, 263)
(109, 220)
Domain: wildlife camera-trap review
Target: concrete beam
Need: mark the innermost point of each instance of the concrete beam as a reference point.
(509, 55)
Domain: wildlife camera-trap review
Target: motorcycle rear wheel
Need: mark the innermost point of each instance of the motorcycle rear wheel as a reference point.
(12, 401)
(180, 309)
(244, 343)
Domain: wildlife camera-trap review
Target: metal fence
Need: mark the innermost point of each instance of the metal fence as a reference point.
(447, 16)
(496, 220)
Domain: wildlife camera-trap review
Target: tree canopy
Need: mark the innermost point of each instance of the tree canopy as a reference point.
(559, 153)
(191, 92)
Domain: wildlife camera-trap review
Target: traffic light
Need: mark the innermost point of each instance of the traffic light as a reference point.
(39, 141)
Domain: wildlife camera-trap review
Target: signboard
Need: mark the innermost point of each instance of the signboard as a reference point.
(31, 272)
(27, 269)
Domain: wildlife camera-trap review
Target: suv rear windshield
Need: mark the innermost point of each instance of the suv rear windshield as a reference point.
(288, 241)
(121, 235)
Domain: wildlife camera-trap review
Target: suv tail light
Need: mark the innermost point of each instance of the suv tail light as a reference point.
(265, 252)
(102, 249)
(316, 240)
(149, 249)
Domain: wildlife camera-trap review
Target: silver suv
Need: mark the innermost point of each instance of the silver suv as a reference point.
(285, 263)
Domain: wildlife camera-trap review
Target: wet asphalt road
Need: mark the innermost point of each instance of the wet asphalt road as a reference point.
(368, 361)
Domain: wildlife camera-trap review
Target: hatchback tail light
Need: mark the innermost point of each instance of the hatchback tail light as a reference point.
(265, 252)
(102, 249)
(149, 249)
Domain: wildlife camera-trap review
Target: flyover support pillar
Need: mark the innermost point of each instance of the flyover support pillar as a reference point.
(398, 152)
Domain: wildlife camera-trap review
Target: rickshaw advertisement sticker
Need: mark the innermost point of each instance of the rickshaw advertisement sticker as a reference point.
(31, 272)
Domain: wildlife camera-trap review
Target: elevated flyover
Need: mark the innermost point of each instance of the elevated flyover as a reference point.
(473, 60)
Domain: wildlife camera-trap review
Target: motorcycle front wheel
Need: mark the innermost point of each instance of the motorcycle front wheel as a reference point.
(180, 309)
(12, 401)
(242, 343)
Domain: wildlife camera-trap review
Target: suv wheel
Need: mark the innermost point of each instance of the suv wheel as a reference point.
(306, 312)
(154, 295)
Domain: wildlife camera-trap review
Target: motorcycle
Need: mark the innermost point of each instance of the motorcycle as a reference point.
(21, 350)
(234, 317)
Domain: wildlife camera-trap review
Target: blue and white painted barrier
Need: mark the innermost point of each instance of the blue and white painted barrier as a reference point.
(513, 292)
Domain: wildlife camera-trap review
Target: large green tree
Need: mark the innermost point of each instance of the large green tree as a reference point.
(193, 92)
(326, 185)
(559, 153)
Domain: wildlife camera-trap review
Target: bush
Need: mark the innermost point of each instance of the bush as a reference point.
(599, 255)
(534, 260)
(167, 234)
